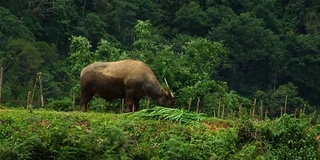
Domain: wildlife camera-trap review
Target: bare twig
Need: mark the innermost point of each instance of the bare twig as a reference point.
(285, 105)
(266, 115)
(254, 107)
(222, 114)
(34, 89)
(261, 110)
(41, 93)
(240, 110)
(73, 102)
(198, 103)
(1, 78)
(189, 104)
(29, 102)
(148, 102)
(219, 107)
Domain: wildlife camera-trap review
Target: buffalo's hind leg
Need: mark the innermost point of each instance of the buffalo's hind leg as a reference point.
(85, 98)
(129, 104)
(136, 105)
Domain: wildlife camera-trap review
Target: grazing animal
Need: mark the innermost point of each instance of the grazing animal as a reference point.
(129, 79)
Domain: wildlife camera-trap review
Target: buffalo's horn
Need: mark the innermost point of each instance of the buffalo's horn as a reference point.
(165, 80)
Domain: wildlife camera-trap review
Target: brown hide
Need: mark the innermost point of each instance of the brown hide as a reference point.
(129, 79)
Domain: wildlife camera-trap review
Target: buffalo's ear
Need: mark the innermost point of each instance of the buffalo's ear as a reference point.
(164, 91)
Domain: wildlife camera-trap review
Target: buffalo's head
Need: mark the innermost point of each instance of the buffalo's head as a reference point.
(167, 99)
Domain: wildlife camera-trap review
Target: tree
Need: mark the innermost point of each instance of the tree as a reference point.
(120, 18)
(59, 24)
(22, 60)
(269, 11)
(287, 94)
(147, 38)
(168, 10)
(256, 54)
(55, 76)
(191, 19)
(302, 64)
(80, 56)
(12, 27)
(206, 57)
(108, 52)
(94, 29)
(217, 13)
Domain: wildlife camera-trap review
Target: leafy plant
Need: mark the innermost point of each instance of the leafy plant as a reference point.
(291, 138)
(273, 100)
(212, 94)
(155, 133)
(174, 115)
(60, 105)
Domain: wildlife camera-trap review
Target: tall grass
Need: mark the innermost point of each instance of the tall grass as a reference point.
(174, 115)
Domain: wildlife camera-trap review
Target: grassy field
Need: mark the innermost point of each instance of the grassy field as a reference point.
(156, 133)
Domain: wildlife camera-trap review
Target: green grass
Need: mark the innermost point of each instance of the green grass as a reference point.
(174, 115)
(155, 133)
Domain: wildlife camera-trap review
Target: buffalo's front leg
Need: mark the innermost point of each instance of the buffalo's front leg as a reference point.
(129, 103)
(132, 105)
(129, 99)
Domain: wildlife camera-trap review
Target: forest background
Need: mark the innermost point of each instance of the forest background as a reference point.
(222, 52)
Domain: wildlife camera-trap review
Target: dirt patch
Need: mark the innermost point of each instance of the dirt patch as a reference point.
(216, 125)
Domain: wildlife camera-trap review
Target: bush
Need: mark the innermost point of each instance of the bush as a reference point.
(283, 138)
(156, 133)
(52, 135)
(246, 132)
(290, 138)
(60, 105)
(211, 93)
(274, 99)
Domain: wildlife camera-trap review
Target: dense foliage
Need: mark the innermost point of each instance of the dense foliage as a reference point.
(157, 133)
(224, 52)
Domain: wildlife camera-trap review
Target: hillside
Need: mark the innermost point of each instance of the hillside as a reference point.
(156, 133)
(228, 51)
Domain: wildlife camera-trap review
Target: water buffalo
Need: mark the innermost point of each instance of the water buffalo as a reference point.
(129, 79)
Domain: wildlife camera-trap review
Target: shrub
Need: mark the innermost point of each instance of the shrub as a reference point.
(156, 133)
(274, 99)
(60, 105)
(211, 93)
(246, 132)
(290, 138)
(53, 135)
